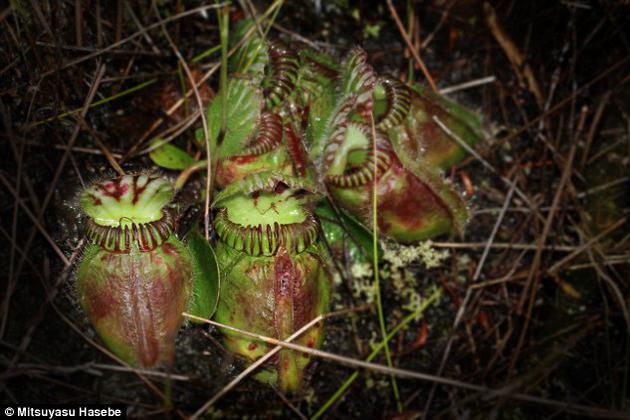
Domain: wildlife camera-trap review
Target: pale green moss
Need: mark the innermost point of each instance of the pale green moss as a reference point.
(402, 255)
(398, 273)
(362, 270)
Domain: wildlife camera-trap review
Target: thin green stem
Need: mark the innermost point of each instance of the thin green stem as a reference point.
(377, 286)
(182, 86)
(377, 349)
(274, 8)
(205, 54)
(98, 103)
(224, 24)
(410, 63)
(168, 394)
(273, 17)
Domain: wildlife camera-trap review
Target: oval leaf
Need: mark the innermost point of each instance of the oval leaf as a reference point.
(169, 156)
(244, 104)
(206, 276)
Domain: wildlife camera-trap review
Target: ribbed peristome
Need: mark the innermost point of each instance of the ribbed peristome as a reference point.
(263, 219)
(266, 239)
(122, 238)
(128, 211)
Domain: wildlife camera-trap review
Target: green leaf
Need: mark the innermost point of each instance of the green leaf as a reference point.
(206, 276)
(170, 156)
(360, 234)
(244, 105)
(199, 137)
(322, 105)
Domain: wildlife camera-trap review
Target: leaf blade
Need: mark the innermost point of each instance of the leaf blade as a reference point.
(206, 276)
(169, 156)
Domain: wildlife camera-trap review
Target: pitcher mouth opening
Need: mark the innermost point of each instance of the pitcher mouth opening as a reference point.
(266, 239)
(129, 211)
(122, 238)
(361, 173)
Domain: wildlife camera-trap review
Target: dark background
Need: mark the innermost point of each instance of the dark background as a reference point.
(571, 348)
